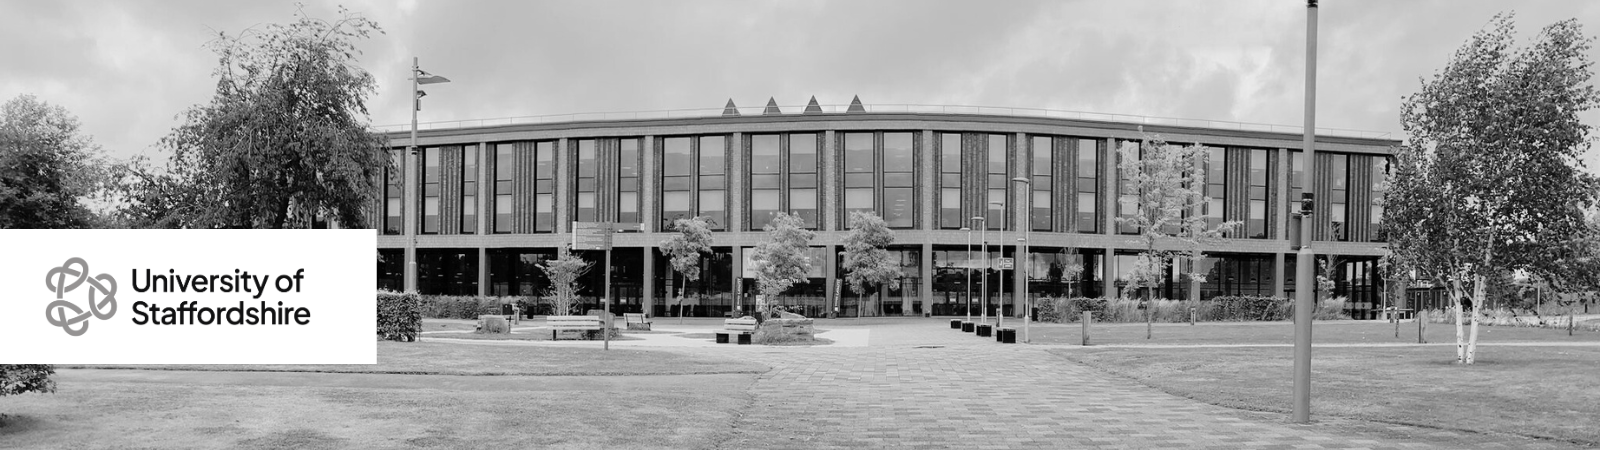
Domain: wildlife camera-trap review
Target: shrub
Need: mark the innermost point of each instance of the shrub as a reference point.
(462, 306)
(24, 378)
(1245, 308)
(399, 316)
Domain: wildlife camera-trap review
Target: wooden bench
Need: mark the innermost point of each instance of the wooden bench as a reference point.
(636, 321)
(742, 328)
(558, 324)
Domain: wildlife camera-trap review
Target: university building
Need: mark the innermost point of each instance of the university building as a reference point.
(481, 203)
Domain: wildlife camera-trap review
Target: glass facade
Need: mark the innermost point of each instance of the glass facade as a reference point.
(677, 180)
(628, 181)
(1256, 227)
(1042, 167)
(515, 271)
(1088, 186)
(803, 184)
(766, 179)
(997, 179)
(859, 184)
(447, 271)
(1128, 194)
(585, 206)
(1380, 187)
(950, 214)
(899, 180)
(1338, 182)
(1216, 187)
(392, 269)
(713, 181)
(430, 190)
(544, 187)
(469, 189)
(709, 296)
(394, 193)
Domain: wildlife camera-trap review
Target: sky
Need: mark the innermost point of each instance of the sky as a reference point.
(128, 69)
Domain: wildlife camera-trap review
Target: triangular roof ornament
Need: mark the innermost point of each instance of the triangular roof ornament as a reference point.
(855, 105)
(813, 107)
(772, 107)
(730, 110)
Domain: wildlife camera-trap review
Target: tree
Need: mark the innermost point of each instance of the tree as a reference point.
(564, 272)
(47, 167)
(283, 140)
(684, 248)
(1490, 176)
(1167, 182)
(782, 261)
(24, 378)
(867, 264)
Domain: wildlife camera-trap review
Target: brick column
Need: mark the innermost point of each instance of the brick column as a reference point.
(1110, 276)
(829, 201)
(564, 168)
(481, 201)
(1277, 278)
(648, 174)
(925, 291)
(649, 285)
(736, 189)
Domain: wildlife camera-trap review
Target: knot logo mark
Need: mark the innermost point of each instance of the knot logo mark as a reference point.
(68, 277)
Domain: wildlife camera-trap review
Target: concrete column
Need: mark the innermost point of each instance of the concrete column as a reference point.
(647, 192)
(926, 182)
(649, 285)
(481, 200)
(831, 270)
(1020, 194)
(483, 271)
(925, 291)
(1108, 185)
(830, 186)
(561, 203)
(1110, 276)
(1277, 274)
(736, 190)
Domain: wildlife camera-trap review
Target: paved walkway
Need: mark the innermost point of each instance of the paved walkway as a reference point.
(919, 385)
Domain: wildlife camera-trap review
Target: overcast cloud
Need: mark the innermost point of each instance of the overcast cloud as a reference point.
(128, 68)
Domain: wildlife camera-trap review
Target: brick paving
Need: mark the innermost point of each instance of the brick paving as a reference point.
(918, 386)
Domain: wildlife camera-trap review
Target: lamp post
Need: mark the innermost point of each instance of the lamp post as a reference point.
(968, 281)
(1027, 205)
(418, 76)
(1304, 302)
(1000, 315)
(983, 240)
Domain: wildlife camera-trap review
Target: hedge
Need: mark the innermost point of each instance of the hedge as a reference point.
(399, 316)
(1217, 309)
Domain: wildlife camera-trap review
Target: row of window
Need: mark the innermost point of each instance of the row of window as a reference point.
(879, 173)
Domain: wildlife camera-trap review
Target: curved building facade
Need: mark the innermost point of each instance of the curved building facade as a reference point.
(477, 207)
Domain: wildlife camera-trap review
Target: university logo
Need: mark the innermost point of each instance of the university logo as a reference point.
(67, 278)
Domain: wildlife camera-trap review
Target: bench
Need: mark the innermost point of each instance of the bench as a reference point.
(742, 328)
(558, 324)
(636, 321)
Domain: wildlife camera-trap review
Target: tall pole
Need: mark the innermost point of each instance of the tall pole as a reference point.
(968, 281)
(983, 240)
(1304, 300)
(1023, 257)
(1000, 310)
(411, 200)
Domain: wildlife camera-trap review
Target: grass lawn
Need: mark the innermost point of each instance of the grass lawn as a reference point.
(1549, 392)
(489, 359)
(1330, 332)
(128, 409)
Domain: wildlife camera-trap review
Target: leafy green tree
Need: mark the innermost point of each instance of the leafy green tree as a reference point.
(1167, 182)
(564, 272)
(283, 140)
(24, 378)
(47, 167)
(783, 260)
(1490, 178)
(867, 263)
(693, 237)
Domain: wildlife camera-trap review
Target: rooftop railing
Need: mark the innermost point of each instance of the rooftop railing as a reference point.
(884, 108)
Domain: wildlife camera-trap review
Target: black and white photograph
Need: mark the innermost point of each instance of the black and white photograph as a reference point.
(719, 224)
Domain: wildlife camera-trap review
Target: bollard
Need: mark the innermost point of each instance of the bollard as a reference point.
(1086, 317)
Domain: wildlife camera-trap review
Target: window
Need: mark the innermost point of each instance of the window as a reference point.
(1128, 196)
(677, 171)
(503, 165)
(1216, 187)
(858, 174)
(766, 176)
(803, 177)
(469, 190)
(713, 203)
(588, 170)
(394, 193)
(997, 179)
(544, 208)
(1088, 185)
(1338, 181)
(1041, 167)
(430, 190)
(1297, 180)
(1380, 186)
(899, 174)
(1257, 225)
(950, 216)
(628, 181)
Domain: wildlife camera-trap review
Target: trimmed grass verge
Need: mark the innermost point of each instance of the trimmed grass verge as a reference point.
(438, 358)
(1543, 392)
(1335, 332)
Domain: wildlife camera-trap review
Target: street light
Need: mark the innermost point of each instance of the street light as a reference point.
(417, 77)
(1000, 316)
(983, 239)
(968, 281)
(1027, 204)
